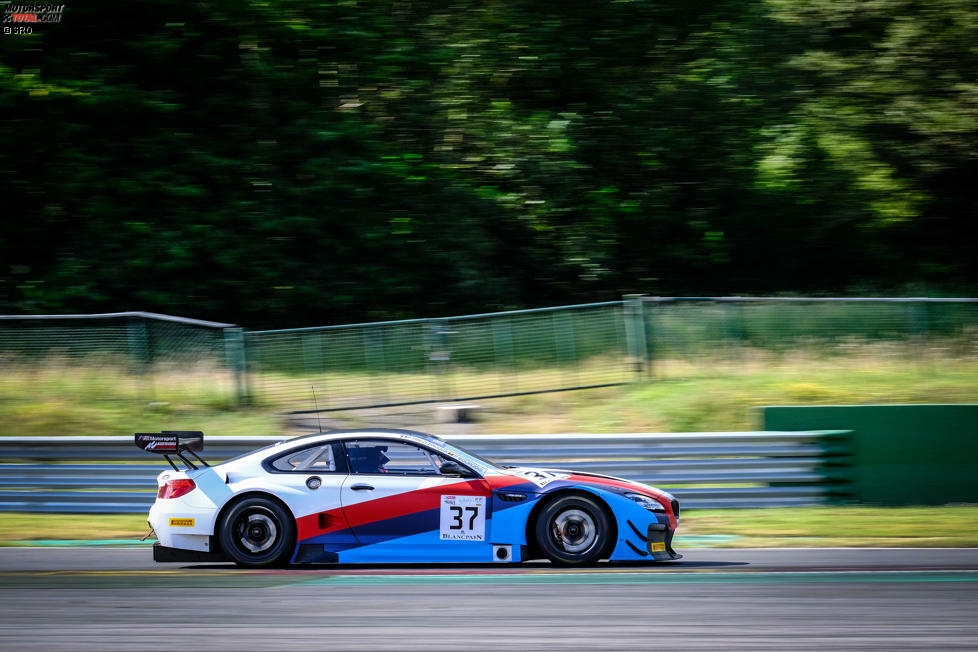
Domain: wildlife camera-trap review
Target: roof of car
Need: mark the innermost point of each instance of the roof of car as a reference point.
(289, 444)
(372, 432)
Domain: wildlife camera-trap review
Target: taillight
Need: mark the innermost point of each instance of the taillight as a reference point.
(176, 488)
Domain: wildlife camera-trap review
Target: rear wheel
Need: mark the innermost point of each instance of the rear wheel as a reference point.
(573, 530)
(258, 532)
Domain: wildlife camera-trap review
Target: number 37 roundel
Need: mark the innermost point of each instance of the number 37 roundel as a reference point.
(463, 518)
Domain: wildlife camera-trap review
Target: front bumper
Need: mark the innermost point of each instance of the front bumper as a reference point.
(659, 542)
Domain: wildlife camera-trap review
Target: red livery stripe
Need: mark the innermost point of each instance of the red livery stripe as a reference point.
(309, 526)
(503, 481)
(409, 502)
(380, 509)
(587, 479)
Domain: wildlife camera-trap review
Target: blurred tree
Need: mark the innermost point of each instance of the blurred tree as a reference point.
(292, 162)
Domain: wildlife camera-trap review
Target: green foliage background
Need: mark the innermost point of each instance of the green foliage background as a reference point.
(289, 162)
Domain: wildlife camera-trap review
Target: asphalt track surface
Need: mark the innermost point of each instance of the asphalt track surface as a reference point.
(713, 599)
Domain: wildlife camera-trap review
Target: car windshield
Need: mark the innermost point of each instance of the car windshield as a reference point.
(468, 453)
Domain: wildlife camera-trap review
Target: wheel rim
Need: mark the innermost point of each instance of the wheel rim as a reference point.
(255, 532)
(574, 530)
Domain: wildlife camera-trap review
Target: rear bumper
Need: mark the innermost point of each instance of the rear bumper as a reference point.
(165, 554)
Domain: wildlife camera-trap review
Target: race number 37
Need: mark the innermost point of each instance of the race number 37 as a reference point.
(463, 518)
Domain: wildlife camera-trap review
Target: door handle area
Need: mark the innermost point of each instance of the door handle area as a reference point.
(360, 486)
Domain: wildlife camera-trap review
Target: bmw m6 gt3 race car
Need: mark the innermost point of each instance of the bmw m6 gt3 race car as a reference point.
(395, 496)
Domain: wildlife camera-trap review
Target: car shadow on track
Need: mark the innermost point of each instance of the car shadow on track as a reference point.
(525, 566)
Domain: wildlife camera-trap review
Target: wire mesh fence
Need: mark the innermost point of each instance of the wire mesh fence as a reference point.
(149, 358)
(111, 357)
(437, 360)
(690, 335)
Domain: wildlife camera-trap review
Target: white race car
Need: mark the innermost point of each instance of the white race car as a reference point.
(394, 496)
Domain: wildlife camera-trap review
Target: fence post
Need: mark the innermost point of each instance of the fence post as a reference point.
(503, 349)
(650, 306)
(141, 353)
(735, 329)
(139, 344)
(234, 347)
(920, 319)
(373, 348)
(563, 329)
(439, 358)
(635, 341)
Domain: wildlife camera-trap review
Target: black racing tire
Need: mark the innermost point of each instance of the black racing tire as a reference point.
(573, 530)
(258, 532)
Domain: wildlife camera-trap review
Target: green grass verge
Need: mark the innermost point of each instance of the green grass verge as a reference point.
(915, 527)
(684, 395)
(727, 397)
(66, 399)
(16, 526)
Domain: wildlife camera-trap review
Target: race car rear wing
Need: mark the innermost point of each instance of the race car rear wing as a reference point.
(173, 442)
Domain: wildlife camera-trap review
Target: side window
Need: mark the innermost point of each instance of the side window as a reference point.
(398, 458)
(316, 459)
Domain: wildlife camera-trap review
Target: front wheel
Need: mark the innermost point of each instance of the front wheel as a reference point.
(258, 532)
(573, 531)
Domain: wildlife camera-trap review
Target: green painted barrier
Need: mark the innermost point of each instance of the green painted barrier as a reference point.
(902, 454)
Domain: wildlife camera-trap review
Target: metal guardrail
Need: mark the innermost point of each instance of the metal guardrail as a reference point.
(704, 470)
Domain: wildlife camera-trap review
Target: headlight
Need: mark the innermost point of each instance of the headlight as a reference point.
(647, 502)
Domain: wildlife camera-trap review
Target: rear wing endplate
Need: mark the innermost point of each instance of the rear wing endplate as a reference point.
(173, 442)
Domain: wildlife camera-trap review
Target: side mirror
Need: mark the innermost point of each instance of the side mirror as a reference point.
(454, 468)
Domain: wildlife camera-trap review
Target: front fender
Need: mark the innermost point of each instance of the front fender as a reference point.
(632, 523)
